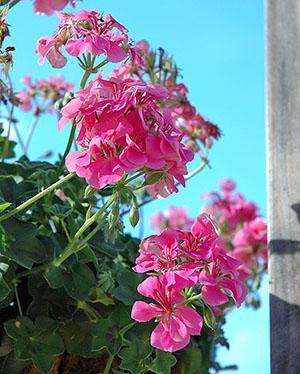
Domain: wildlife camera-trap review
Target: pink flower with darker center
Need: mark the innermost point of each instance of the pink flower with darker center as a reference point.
(177, 322)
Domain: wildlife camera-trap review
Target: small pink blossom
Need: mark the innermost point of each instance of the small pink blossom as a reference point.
(200, 242)
(50, 6)
(221, 280)
(177, 322)
(173, 217)
(40, 95)
(159, 252)
(84, 32)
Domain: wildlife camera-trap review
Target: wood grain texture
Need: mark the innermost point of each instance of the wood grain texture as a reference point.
(283, 148)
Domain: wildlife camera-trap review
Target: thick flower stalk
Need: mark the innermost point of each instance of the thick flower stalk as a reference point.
(121, 129)
(84, 32)
(190, 266)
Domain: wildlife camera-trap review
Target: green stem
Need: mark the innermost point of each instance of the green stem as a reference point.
(108, 364)
(31, 131)
(37, 197)
(20, 140)
(68, 148)
(6, 143)
(198, 169)
(75, 245)
(18, 301)
(94, 218)
(189, 176)
(134, 177)
(193, 298)
(89, 310)
(85, 77)
(36, 269)
(13, 3)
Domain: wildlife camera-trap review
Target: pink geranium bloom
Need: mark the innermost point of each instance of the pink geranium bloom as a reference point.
(177, 322)
(221, 280)
(173, 217)
(200, 242)
(133, 131)
(98, 165)
(84, 32)
(159, 252)
(253, 232)
(50, 6)
(41, 95)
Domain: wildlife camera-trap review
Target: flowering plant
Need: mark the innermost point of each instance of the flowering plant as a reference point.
(74, 288)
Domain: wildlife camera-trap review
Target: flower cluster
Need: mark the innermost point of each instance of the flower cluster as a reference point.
(174, 217)
(189, 265)
(84, 32)
(122, 130)
(50, 6)
(42, 94)
(160, 69)
(243, 230)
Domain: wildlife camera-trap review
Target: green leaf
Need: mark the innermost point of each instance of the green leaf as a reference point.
(48, 300)
(79, 281)
(128, 282)
(135, 358)
(109, 332)
(9, 148)
(163, 362)
(38, 342)
(55, 277)
(21, 244)
(77, 335)
(99, 296)
(191, 362)
(99, 244)
(59, 210)
(4, 287)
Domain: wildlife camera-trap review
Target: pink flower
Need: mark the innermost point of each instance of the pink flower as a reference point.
(177, 322)
(200, 243)
(25, 101)
(159, 252)
(227, 185)
(130, 133)
(41, 95)
(173, 217)
(49, 6)
(84, 32)
(253, 232)
(221, 280)
(99, 165)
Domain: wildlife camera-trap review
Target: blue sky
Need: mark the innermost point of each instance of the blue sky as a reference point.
(220, 47)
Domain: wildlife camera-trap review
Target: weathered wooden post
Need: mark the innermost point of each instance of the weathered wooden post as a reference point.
(283, 153)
